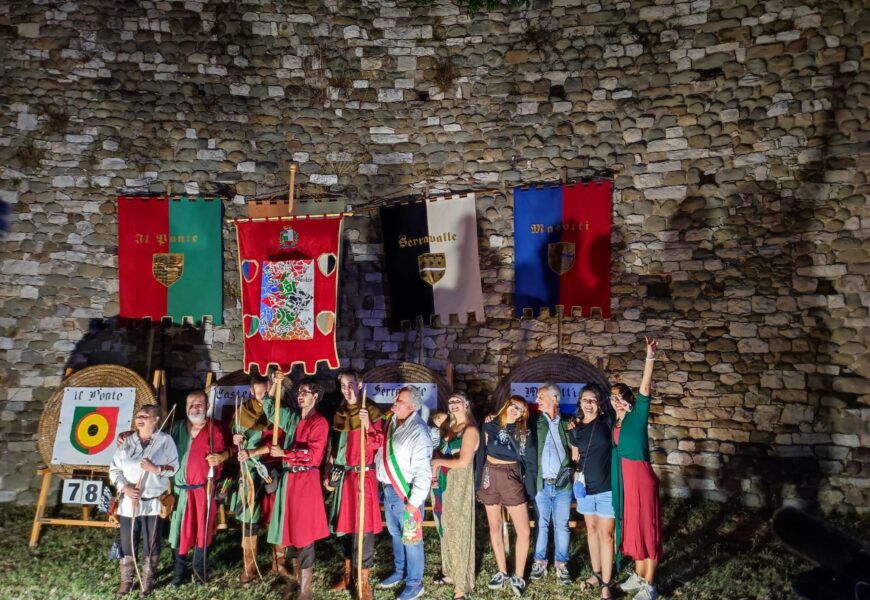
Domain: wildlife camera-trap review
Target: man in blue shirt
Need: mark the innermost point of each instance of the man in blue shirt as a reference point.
(552, 500)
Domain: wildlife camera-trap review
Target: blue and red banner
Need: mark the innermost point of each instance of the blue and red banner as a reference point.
(562, 251)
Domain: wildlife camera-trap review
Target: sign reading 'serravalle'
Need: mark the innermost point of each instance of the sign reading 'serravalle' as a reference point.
(385, 394)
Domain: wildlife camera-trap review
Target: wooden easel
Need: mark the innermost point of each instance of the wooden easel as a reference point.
(39, 518)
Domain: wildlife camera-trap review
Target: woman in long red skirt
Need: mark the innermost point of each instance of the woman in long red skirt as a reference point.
(635, 485)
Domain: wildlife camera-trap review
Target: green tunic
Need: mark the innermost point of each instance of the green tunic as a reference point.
(633, 445)
(254, 438)
(289, 419)
(181, 435)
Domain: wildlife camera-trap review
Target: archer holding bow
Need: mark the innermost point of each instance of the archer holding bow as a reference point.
(201, 449)
(253, 433)
(141, 469)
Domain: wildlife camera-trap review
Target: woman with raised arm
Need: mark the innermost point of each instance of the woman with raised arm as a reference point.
(635, 485)
(506, 477)
(455, 471)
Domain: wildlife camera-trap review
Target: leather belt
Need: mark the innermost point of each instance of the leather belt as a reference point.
(357, 469)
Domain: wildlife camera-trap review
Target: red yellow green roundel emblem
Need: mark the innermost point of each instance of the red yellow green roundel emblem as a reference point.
(93, 428)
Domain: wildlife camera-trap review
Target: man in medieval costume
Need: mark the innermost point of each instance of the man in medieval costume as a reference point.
(258, 477)
(404, 467)
(344, 472)
(299, 515)
(201, 451)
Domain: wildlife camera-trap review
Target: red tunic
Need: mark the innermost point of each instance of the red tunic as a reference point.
(305, 514)
(193, 521)
(348, 513)
(641, 520)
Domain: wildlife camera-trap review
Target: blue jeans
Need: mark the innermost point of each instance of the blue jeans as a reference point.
(407, 559)
(553, 506)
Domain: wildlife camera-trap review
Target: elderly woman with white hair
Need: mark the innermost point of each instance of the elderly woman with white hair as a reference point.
(404, 467)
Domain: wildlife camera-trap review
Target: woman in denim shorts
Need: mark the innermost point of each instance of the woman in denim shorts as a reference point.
(591, 434)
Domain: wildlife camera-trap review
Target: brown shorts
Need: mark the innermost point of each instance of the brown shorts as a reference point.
(501, 485)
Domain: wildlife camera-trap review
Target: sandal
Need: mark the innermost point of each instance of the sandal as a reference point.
(606, 592)
(592, 582)
(443, 580)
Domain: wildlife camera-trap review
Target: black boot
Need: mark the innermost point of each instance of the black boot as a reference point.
(180, 573)
(199, 566)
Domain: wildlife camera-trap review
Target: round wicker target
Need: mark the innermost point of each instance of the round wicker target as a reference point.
(96, 376)
(234, 378)
(405, 372)
(558, 368)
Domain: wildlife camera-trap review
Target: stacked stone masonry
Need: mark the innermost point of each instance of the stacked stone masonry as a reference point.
(737, 134)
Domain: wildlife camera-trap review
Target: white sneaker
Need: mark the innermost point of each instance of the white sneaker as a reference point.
(634, 582)
(647, 592)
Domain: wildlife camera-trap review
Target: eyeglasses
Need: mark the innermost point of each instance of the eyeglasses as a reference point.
(306, 393)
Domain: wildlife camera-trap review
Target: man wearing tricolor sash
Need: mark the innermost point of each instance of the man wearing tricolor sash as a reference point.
(404, 467)
(201, 447)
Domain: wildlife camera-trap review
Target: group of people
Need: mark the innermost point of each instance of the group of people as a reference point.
(303, 478)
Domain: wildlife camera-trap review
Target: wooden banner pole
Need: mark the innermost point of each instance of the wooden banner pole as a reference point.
(291, 192)
(362, 503)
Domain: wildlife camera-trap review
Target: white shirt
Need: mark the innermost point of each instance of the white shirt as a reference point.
(412, 448)
(125, 470)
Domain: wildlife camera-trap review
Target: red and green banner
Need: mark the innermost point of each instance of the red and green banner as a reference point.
(169, 258)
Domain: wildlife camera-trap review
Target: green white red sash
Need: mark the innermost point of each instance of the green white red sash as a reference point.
(412, 522)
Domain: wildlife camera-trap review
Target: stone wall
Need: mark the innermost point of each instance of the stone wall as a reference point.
(737, 134)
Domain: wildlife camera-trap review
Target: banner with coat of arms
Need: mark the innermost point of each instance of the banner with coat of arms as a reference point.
(432, 259)
(169, 258)
(289, 278)
(562, 248)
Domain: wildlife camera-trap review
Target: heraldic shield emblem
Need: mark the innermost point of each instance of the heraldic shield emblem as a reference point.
(167, 268)
(432, 266)
(560, 256)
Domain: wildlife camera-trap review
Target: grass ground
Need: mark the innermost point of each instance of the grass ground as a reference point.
(712, 551)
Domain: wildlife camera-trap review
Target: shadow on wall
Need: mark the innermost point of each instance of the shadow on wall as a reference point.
(144, 347)
(774, 417)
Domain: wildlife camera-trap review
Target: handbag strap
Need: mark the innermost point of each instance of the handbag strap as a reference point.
(589, 445)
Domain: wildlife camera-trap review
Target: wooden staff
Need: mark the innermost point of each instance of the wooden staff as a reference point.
(291, 192)
(362, 501)
(277, 420)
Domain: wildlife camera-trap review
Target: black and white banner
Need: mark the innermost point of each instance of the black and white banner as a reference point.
(432, 259)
